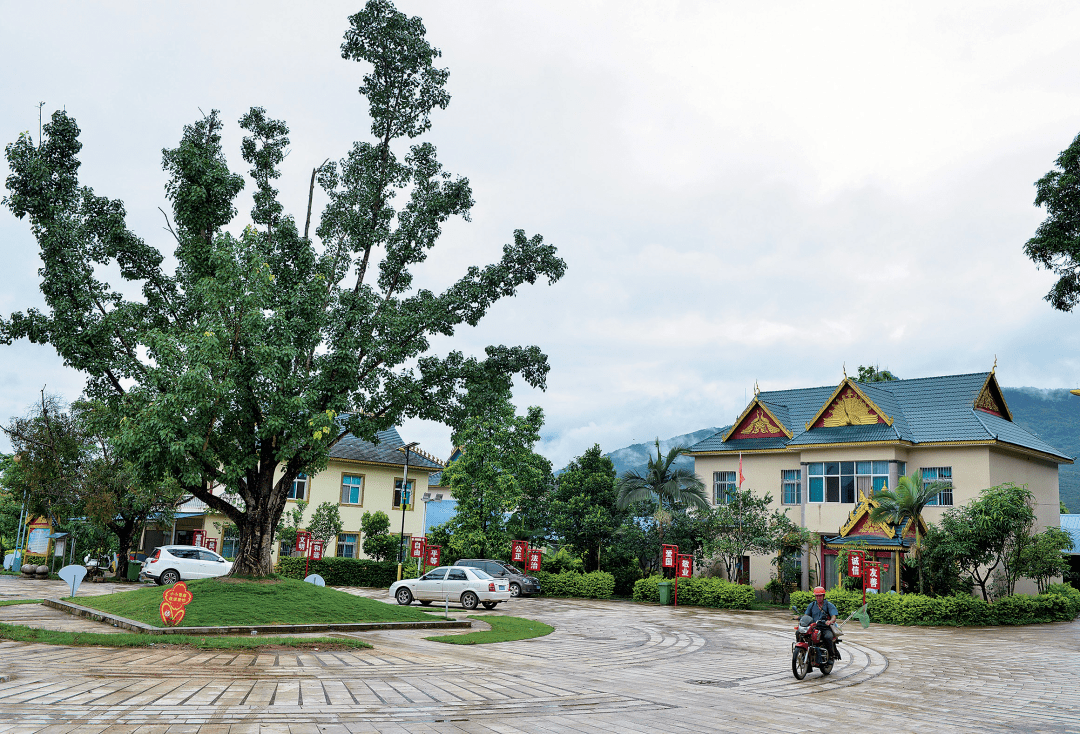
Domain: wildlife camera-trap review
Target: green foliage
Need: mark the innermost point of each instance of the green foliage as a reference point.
(563, 560)
(584, 510)
(873, 373)
(325, 523)
(289, 525)
(700, 592)
(503, 629)
(1041, 557)
(593, 585)
(907, 502)
(378, 543)
(245, 364)
(671, 486)
(746, 524)
(1056, 244)
(342, 571)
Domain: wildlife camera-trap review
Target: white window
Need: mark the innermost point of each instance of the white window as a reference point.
(844, 481)
(346, 545)
(791, 487)
(938, 474)
(352, 490)
(724, 486)
(298, 491)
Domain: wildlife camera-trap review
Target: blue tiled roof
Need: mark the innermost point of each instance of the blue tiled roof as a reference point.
(923, 410)
(384, 452)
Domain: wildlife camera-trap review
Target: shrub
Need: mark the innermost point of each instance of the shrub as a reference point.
(342, 571)
(595, 585)
(701, 592)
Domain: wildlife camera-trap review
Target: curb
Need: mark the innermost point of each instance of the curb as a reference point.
(255, 629)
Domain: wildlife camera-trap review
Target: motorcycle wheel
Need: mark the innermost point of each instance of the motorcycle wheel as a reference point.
(827, 667)
(800, 663)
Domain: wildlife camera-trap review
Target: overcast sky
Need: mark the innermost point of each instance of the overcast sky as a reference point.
(742, 191)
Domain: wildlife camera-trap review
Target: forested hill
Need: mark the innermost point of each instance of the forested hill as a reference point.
(1053, 415)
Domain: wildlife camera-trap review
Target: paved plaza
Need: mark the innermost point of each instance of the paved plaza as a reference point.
(608, 667)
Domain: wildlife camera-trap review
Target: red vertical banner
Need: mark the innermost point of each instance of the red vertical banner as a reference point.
(873, 577)
(316, 551)
(519, 550)
(855, 564)
(433, 553)
(535, 559)
(210, 544)
(197, 537)
(685, 567)
(303, 538)
(416, 547)
(667, 555)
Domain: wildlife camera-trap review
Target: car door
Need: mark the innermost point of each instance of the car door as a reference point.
(211, 564)
(427, 586)
(457, 580)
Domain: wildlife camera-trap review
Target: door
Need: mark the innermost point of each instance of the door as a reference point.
(456, 582)
(427, 586)
(744, 571)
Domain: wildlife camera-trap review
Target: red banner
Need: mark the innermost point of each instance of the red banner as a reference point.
(873, 577)
(210, 544)
(316, 551)
(416, 547)
(855, 564)
(302, 540)
(535, 559)
(197, 537)
(667, 555)
(433, 553)
(518, 551)
(685, 567)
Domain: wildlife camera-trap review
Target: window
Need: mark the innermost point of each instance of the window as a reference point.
(298, 491)
(352, 490)
(346, 545)
(285, 549)
(456, 574)
(791, 487)
(408, 494)
(723, 486)
(230, 542)
(939, 474)
(845, 481)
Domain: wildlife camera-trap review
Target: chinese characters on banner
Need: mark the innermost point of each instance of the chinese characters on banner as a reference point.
(667, 556)
(416, 547)
(303, 538)
(175, 598)
(855, 563)
(685, 567)
(197, 537)
(210, 544)
(535, 558)
(519, 549)
(316, 550)
(873, 577)
(434, 552)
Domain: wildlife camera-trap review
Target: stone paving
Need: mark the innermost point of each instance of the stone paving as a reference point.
(608, 667)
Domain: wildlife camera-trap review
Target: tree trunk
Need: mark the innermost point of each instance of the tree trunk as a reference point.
(918, 556)
(123, 545)
(257, 525)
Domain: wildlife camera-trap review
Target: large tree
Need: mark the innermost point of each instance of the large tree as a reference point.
(907, 502)
(669, 486)
(584, 509)
(245, 364)
(744, 524)
(1056, 244)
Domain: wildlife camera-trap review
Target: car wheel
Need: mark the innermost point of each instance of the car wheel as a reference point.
(403, 596)
(169, 577)
(515, 590)
(490, 604)
(425, 602)
(469, 600)
(159, 582)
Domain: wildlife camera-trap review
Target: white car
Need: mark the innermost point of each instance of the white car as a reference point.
(459, 584)
(171, 563)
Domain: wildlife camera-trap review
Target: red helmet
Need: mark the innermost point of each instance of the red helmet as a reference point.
(819, 590)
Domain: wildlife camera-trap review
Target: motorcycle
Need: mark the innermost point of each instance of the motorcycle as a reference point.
(810, 650)
(96, 567)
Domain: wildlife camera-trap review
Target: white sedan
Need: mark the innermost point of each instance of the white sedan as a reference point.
(459, 584)
(171, 563)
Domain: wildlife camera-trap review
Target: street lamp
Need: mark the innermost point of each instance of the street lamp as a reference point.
(404, 504)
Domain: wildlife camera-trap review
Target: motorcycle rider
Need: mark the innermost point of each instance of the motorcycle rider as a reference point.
(821, 609)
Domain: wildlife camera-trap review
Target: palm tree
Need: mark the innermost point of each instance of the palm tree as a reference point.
(670, 487)
(907, 501)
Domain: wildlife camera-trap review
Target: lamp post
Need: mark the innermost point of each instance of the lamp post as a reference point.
(404, 504)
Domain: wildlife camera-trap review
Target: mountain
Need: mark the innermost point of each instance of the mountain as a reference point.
(1053, 415)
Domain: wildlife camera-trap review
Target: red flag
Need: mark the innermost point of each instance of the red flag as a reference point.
(741, 477)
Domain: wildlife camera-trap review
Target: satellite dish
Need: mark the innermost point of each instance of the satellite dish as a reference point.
(73, 575)
(312, 579)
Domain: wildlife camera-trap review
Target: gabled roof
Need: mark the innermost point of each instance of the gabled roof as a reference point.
(927, 410)
(387, 451)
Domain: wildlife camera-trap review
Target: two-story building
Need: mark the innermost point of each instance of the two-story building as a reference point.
(822, 453)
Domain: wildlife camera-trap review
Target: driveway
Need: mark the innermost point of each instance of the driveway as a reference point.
(608, 667)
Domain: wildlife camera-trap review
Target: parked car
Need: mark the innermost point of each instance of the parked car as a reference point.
(459, 584)
(520, 584)
(171, 563)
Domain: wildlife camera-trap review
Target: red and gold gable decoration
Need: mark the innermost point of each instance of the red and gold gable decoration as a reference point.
(175, 598)
(849, 407)
(758, 423)
(859, 524)
(991, 400)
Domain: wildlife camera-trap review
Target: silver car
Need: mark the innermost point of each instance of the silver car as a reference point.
(171, 563)
(458, 584)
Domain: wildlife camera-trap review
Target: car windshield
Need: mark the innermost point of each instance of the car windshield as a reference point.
(513, 570)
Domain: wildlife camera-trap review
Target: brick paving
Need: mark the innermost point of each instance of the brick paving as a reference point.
(608, 667)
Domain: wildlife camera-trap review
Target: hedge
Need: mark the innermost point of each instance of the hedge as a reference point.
(1060, 603)
(595, 585)
(700, 592)
(342, 571)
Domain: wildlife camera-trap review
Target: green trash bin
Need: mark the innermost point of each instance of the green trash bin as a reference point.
(665, 592)
(134, 567)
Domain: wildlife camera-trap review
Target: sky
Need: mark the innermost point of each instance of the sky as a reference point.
(744, 193)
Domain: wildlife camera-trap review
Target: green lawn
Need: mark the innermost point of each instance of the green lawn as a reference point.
(12, 602)
(503, 629)
(219, 602)
(21, 633)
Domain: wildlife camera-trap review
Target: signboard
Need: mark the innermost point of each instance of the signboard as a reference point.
(685, 567)
(197, 538)
(535, 559)
(855, 564)
(175, 598)
(416, 547)
(37, 541)
(518, 551)
(210, 544)
(303, 538)
(667, 555)
(316, 550)
(873, 577)
(432, 553)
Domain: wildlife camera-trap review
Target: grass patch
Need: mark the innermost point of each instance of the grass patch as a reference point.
(503, 629)
(20, 633)
(221, 602)
(13, 602)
